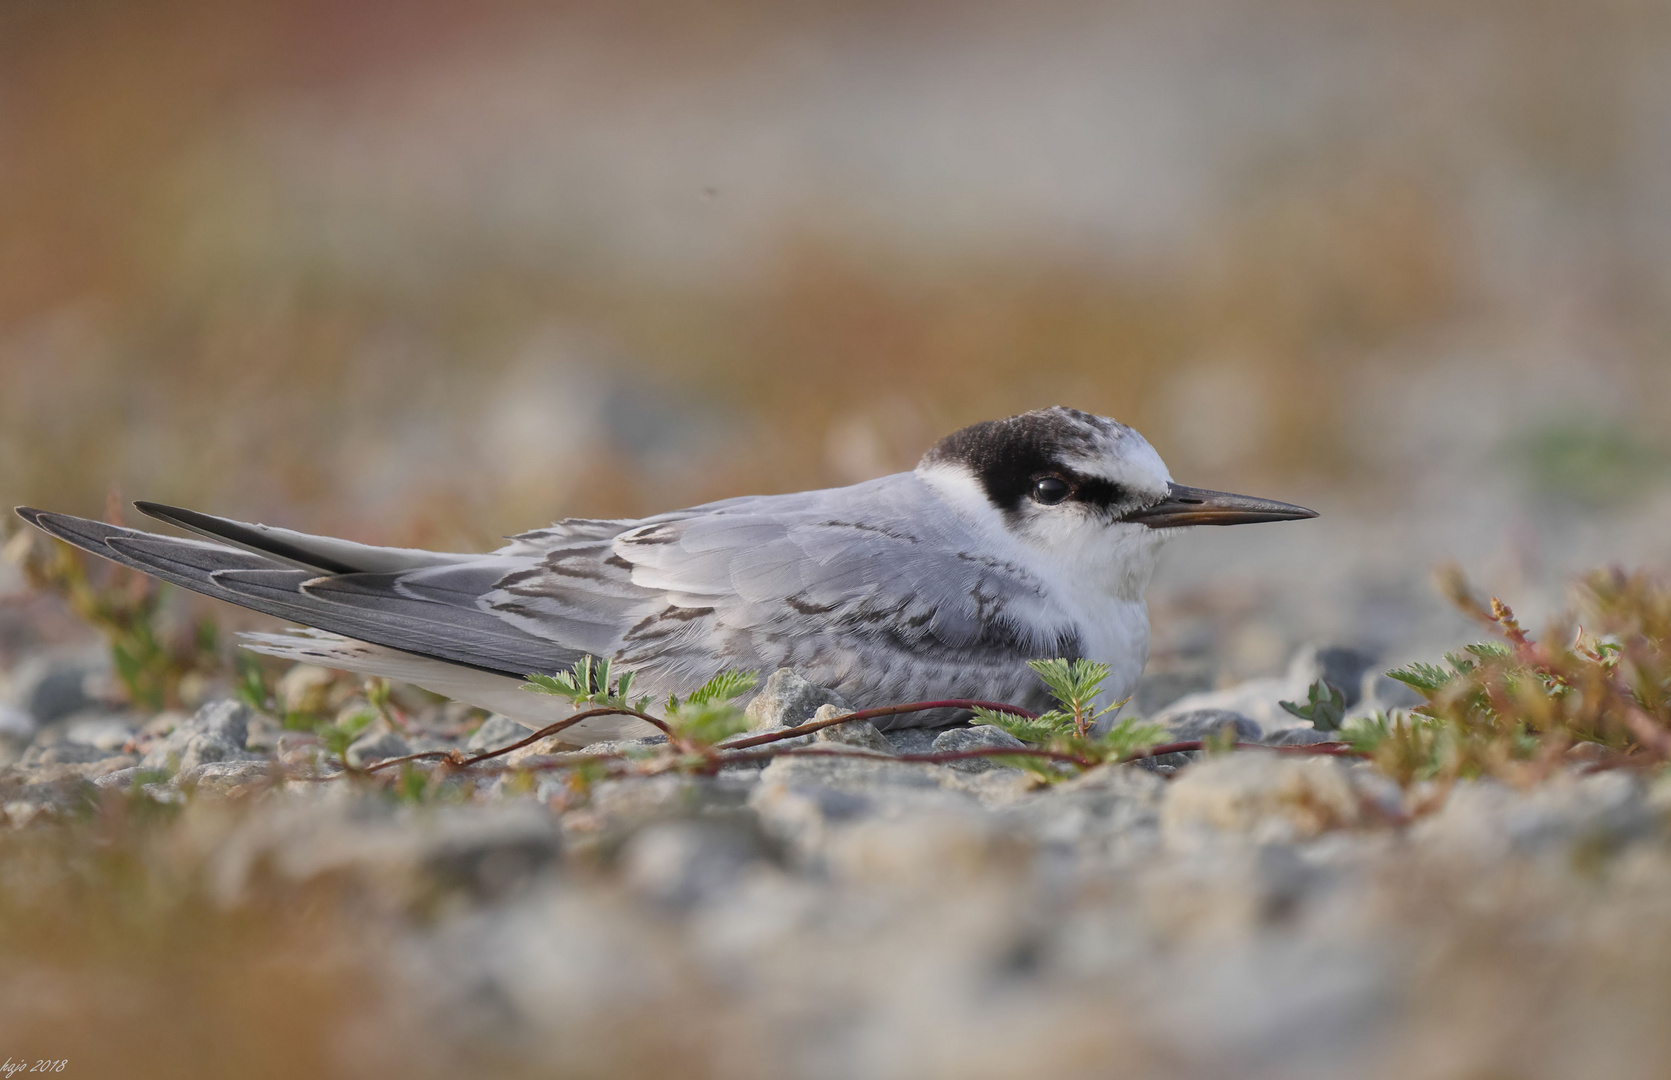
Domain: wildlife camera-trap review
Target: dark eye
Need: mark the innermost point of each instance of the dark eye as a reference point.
(1051, 490)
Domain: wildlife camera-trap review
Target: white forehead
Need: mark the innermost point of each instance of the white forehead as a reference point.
(1112, 451)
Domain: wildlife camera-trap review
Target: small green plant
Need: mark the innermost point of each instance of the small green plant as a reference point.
(705, 717)
(311, 710)
(1404, 746)
(1512, 707)
(1068, 729)
(250, 683)
(710, 714)
(338, 735)
(1325, 708)
(591, 682)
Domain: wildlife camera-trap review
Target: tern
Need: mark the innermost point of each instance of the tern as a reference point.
(1012, 540)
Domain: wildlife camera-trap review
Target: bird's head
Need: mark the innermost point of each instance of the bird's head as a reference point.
(1087, 492)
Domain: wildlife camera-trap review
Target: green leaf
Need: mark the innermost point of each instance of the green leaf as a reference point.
(412, 785)
(1035, 731)
(337, 737)
(251, 687)
(704, 723)
(591, 682)
(1075, 684)
(728, 684)
(1365, 734)
(1325, 708)
(1426, 679)
(1130, 736)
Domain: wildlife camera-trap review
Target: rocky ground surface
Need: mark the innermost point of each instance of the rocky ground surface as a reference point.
(1252, 914)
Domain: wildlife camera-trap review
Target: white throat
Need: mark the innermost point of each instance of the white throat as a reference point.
(1076, 555)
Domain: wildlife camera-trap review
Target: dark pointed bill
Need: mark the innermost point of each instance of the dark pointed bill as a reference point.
(1198, 506)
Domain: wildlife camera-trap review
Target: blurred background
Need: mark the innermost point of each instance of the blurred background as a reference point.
(429, 273)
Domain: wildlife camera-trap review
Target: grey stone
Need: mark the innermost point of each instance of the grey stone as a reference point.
(376, 746)
(638, 801)
(405, 852)
(1484, 819)
(63, 752)
(122, 779)
(787, 700)
(496, 731)
(1259, 795)
(1111, 812)
(56, 684)
(263, 734)
(801, 799)
(216, 732)
(17, 724)
(550, 746)
(56, 744)
(554, 749)
(42, 793)
(930, 846)
(859, 734)
(226, 777)
(685, 863)
(911, 740)
(616, 809)
(979, 737)
(105, 730)
(1211, 723)
(92, 770)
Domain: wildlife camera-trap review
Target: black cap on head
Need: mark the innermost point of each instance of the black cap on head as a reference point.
(1009, 457)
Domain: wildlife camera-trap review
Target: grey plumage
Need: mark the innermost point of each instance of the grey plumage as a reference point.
(889, 605)
(938, 583)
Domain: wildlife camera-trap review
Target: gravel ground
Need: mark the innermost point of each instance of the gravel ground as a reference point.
(1253, 914)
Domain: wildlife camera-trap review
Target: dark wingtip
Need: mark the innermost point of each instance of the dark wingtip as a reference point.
(159, 511)
(181, 518)
(29, 514)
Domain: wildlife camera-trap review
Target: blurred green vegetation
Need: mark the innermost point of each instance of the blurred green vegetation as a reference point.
(1590, 461)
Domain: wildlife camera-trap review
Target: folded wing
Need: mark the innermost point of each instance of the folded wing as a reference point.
(366, 606)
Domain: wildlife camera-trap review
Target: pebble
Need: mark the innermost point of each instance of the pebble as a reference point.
(1250, 915)
(1204, 724)
(685, 863)
(1486, 820)
(376, 746)
(105, 730)
(856, 734)
(215, 732)
(788, 700)
(1262, 796)
(17, 724)
(496, 731)
(54, 685)
(979, 737)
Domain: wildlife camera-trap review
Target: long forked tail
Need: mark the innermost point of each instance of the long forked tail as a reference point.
(354, 590)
